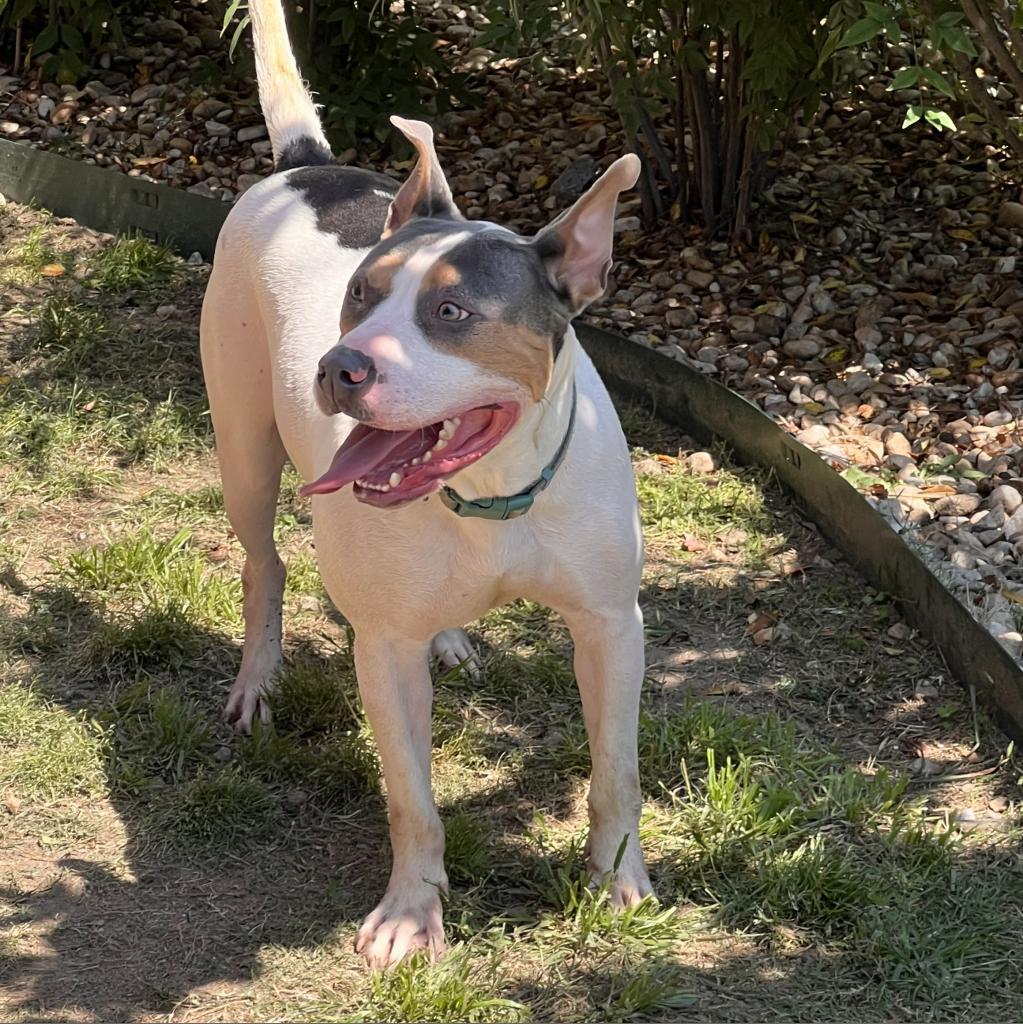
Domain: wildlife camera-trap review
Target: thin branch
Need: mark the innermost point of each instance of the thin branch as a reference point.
(731, 148)
(703, 144)
(985, 103)
(740, 221)
(1014, 34)
(983, 21)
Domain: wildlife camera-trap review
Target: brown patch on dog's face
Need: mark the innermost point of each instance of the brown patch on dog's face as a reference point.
(380, 273)
(510, 320)
(442, 275)
(512, 351)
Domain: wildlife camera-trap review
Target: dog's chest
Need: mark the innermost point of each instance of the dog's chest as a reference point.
(423, 568)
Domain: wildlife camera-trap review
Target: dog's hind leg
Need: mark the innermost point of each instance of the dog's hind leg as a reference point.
(236, 365)
(609, 667)
(453, 648)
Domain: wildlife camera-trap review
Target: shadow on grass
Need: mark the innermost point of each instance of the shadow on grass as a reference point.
(221, 849)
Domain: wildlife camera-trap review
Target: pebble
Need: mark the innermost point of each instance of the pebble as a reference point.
(802, 348)
(700, 462)
(253, 132)
(1006, 498)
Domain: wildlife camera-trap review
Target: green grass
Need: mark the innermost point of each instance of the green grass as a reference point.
(153, 573)
(221, 807)
(458, 989)
(728, 508)
(157, 734)
(45, 751)
(20, 263)
(133, 262)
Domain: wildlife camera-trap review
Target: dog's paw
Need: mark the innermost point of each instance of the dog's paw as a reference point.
(628, 890)
(627, 886)
(400, 926)
(247, 701)
(453, 648)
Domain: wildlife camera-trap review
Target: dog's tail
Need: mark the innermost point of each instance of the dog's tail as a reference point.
(291, 119)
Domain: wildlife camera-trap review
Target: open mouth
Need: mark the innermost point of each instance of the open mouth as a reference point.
(391, 467)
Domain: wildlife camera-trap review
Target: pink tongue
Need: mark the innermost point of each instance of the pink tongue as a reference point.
(364, 449)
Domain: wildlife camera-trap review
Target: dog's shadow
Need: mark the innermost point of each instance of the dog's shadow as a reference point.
(126, 906)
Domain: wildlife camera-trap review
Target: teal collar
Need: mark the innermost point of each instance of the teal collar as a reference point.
(516, 504)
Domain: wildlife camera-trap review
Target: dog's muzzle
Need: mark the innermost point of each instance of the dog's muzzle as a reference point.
(343, 376)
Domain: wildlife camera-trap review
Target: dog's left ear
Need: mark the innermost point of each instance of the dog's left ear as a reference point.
(426, 192)
(576, 247)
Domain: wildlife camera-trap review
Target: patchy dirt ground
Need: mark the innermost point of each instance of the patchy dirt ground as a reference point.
(833, 831)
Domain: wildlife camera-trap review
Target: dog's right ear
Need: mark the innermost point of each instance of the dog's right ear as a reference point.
(426, 192)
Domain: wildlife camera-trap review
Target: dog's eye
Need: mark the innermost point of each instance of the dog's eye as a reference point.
(355, 291)
(449, 311)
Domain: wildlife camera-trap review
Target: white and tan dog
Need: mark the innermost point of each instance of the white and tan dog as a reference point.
(460, 449)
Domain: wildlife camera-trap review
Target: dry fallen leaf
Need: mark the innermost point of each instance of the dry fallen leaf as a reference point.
(758, 621)
(218, 553)
(51, 270)
(763, 636)
(11, 802)
(690, 542)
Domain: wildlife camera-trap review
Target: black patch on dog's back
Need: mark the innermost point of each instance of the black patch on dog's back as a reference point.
(351, 204)
(303, 152)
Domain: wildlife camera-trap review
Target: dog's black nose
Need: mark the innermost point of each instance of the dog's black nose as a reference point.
(344, 375)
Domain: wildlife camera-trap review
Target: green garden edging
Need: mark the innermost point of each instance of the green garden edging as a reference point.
(107, 200)
(113, 202)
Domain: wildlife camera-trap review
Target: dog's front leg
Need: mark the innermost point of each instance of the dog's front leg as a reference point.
(394, 681)
(609, 668)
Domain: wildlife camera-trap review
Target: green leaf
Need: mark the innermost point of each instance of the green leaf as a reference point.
(879, 12)
(860, 32)
(938, 81)
(229, 14)
(905, 79)
(913, 114)
(237, 35)
(957, 39)
(46, 39)
(71, 37)
(940, 120)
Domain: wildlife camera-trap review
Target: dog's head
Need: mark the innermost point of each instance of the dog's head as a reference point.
(450, 328)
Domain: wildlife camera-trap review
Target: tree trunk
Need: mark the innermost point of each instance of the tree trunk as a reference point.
(705, 150)
(985, 103)
(740, 229)
(732, 140)
(983, 21)
(1014, 34)
(681, 154)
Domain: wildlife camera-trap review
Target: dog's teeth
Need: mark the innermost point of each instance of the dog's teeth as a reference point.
(450, 426)
(457, 421)
(415, 461)
(427, 456)
(442, 442)
(395, 479)
(385, 487)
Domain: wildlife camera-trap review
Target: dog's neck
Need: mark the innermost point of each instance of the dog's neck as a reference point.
(534, 440)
